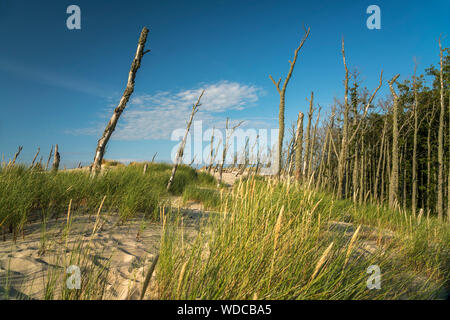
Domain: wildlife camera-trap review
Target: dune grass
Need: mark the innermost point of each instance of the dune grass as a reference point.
(277, 241)
(127, 191)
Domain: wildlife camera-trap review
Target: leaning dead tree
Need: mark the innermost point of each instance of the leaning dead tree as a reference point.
(282, 93)
(49, 158)
(17, 154)
(35, 156)
(180, 152)
(103, 141)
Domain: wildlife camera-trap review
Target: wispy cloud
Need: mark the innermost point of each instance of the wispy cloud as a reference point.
(156, 116)
(47, 77)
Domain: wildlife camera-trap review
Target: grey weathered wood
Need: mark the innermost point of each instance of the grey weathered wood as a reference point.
(393, 182)
(111, 126)
(180, 152)
(49, 158)
(56, 159)
(35, 156)
(17, 155)
(282, 93)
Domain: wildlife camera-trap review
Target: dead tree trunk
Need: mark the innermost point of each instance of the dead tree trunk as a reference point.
(448, 180)
(414, 159)
(103, 141)
(228, 134)
(430, 124)
(346, 138)
(282, 93)
(308, 137)
(180, 152)
(344, 142)
(312, 146)
(393, 183)
(211, 154)
(56, 159)
(375, 186)
(17, 154)
(299, 147)
(49, 158)
(35, 156)
(440, 185)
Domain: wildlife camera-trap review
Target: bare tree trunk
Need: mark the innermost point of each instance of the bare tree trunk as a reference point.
(344, 142)
(375, 187)
(299, 147)
(440, 185)
(430, 123)
(346, 139)
(448, 180)
(308, 137)
(211, 154)
(103, 141)
(228, 134)
(414, 158)
(393, 184)
(56, 159)
(312, 146)
(17, 154)
(49, 158)
(35, 156)
(282, 93)
(180, 152)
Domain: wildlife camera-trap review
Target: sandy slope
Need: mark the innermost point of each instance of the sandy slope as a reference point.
(132, 248)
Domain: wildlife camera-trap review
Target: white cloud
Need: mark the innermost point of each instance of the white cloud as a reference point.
(155, 116)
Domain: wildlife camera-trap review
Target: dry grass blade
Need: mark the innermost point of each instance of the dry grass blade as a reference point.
(321, 261)
(350, 246)
(149, 276)
(97, 220)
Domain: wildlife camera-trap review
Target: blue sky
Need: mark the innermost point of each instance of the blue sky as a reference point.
(60, 86)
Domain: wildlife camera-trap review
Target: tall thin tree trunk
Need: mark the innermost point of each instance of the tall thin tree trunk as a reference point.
(414, 156)
(312, 146)
(282, 93)
(393, 184)
(308, 137)
(103, 141)
(35, 156)
(299, 147)
(375, 187)
(344, 144)
(16, 155)
(448, 180)
(430, 123)
(56, 159)
(180, 152)
(49, 158)
(440, 185)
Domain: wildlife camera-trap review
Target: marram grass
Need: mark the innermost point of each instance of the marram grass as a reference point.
(276, 241)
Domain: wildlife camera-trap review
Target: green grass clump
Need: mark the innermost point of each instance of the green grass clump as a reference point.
(127, 191)
(209, 197)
